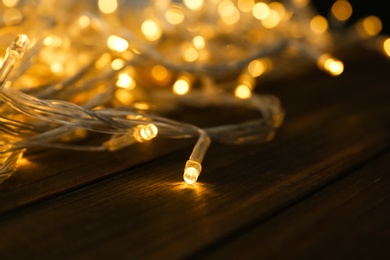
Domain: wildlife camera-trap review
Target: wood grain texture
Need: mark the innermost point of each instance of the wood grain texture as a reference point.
(334, 127)
(346, 220)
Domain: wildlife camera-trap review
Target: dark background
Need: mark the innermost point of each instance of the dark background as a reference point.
(361, 9)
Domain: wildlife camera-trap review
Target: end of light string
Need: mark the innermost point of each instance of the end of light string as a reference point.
(193, 166)
(140, 134)
(14, 52)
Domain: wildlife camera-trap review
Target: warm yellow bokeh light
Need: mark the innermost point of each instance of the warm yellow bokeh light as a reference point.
(107, 6)
(228, 12)
(181, 86)
(52, 40)
(245, 6)
(174, 15)
(57, 67)
(117, 43)
(103, 61)
(10, 3)
(117, 64)
(386, 46)
(342, 10)
(331, 65)
(12, 16)
(301, 3)
(190, 54)
(199, 42)
(194, 4)
(84, 21)
(335, 67)
(260, 11)
(272, 20)
(226, 8)
(372, 25)
(243, 92)
(125, 81)
(257, 67)
(151, 30)
(159, 73)
(124, 96)
(318, 24)
(278, 7)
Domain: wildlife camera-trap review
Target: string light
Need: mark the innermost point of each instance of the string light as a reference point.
(115, 74)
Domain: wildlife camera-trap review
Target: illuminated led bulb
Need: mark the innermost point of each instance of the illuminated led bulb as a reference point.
(342, 10)
(140, 134)
(125, 81)
(318, 24)
(260, 11)
(145, 132)
(182, 85)
(386, 46)
(369, 26)
(193, 4)
(151, 30)
(14, 52)
(192, 171)
(107, 6)
(193, 166)
(331, 65)
(117, 43)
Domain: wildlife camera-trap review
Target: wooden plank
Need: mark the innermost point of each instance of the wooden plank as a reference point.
(148, 212)
(47, 173)
(347, 220)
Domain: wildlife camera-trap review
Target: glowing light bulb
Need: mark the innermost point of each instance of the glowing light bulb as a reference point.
(228, 12)
(174, 15)
(245, 6)
(318, 24)
(117, 43)
(117, 64)
(199, 42)
(192, 171)
(12, 16)
(182, 86)
(372, 25)
(14, 52)
(194, 4)
(257, 67)
(151, 30)
(190, 54)
(331, 65)
(57, 67)
(10, 3)
(386, 46)
(140, 134)
(145, 132)
(342, 10)
(160, 73)
(84, 21)
(107, 6)
(125, 81)
(272, 20)
(260, 11)
(301, 3)
(193, 166)
(243, 91)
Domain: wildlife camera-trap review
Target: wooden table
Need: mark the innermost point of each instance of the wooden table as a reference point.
(319, 190)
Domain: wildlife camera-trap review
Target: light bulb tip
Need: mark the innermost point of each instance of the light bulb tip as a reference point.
(190, 175)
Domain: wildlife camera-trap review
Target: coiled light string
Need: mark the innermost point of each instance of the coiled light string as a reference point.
(117, 75)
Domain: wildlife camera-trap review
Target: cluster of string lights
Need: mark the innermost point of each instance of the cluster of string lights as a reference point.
(120, 67)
